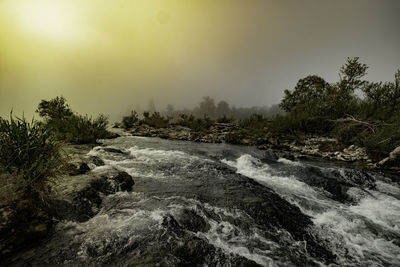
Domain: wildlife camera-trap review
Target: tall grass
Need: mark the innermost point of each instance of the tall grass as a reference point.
(29, 151)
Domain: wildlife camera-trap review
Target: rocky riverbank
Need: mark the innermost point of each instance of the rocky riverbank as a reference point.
(310, 147)
(28, 219)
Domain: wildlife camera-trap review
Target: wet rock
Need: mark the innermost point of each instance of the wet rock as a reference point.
(337, 183)
(113, 136)
(81, 169)
(96, 161)
(125, 181)
(189, 220)
(22, 225)
(190, 250)
(114, 150)
(83, 203)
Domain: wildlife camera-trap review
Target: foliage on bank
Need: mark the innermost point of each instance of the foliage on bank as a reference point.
(66, 125)
(353, 110)
(29, 152)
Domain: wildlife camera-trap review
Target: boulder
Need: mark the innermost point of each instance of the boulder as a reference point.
(22, 225)
(125, 181)
(113, 150)
(96, 161)
(189, 220)
(81, 169)
(113, 136)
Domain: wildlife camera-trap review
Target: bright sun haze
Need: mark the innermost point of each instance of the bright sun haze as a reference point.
(111, 55)
(48, 18)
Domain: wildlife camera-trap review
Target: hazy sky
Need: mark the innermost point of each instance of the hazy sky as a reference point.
(109, 55)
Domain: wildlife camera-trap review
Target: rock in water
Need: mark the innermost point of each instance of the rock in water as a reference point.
(82, 169)
(189, 220)
(125, 181)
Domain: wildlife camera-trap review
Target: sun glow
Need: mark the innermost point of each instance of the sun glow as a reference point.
(48, 18)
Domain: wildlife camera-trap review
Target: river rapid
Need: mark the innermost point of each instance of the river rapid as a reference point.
(196, 204)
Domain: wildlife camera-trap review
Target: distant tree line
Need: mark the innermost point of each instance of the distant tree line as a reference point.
(214, 110)
(352, 110)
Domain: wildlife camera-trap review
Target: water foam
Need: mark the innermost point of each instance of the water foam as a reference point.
(261, 172)
(358, 234)
(289, 162)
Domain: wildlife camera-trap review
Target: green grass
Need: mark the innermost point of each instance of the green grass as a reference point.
(29, 151)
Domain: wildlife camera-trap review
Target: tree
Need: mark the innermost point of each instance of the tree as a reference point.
(223, 108)
(309, 95)
(207, 107)
(56, 108)
(170, 110)
(396, 92)
(350, 75)
(152, 107)
(382, 99)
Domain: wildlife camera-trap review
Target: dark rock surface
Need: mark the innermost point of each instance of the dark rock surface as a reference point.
(25, 223)
(189, 220)
(125, 181)
(81, 169)
(76, 197)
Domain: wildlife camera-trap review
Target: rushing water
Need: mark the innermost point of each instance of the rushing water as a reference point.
(193, 203)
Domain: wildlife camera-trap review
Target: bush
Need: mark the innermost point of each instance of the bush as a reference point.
(130, 121)
(349, 133)
(225, 119)
(29, 151)
(254, 121)
(185, 120)
(65, 125)
(379, 144)
(298, 124)
(235, 137)
(85, 130)
(195, 124)
(155, 120)
(201, 124)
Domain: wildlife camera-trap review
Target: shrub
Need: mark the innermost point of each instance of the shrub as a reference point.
(85, 129)
(130, 121)
(349, 133)
(225, 119)
(201, 124)
(29, 151)
(379, 144)
(195, 124)
(185, 120)
(65, 125)
(235, 137)
(254, 121)
(54, 109)
(155, 120)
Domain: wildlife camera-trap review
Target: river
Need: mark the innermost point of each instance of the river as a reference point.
(196, 204)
